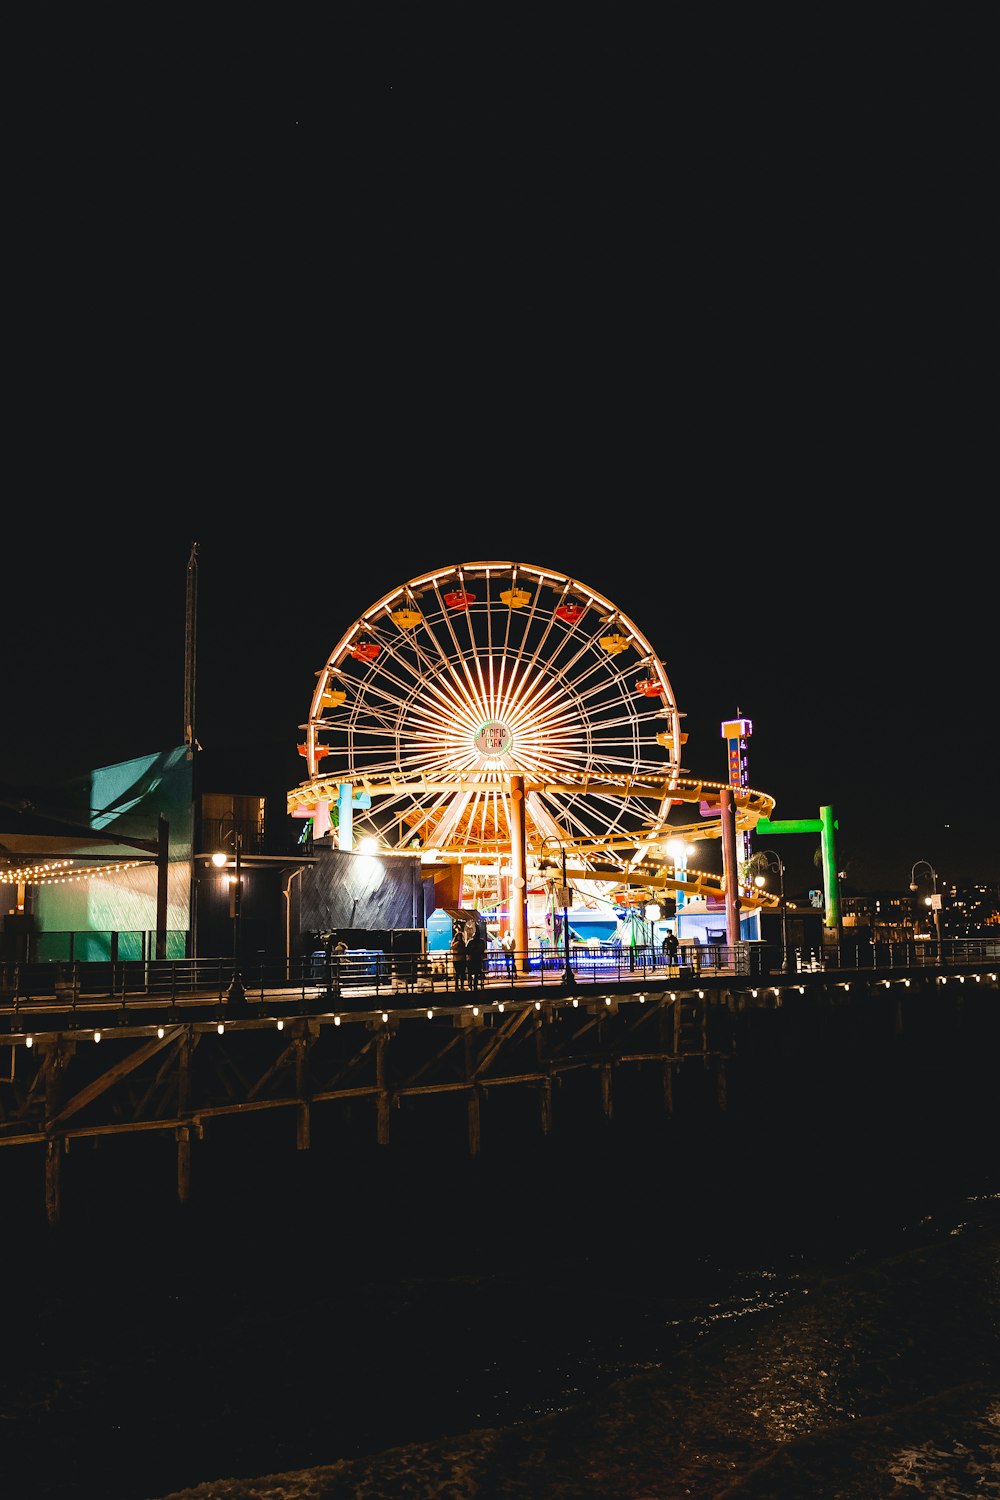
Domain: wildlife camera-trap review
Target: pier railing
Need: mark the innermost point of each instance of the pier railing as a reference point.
(62, 989)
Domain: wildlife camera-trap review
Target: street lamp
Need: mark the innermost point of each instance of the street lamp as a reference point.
(236, 994)
(762, 861)
(935, 900)
(569, 978)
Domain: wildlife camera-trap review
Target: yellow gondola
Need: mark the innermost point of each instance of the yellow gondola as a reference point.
(515, 598)
(332, 698)
(613, 644)
(406, 618)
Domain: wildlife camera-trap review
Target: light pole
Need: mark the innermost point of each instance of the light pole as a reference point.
(762, 861)
(935, 901)
(236, 994)
(569, 978)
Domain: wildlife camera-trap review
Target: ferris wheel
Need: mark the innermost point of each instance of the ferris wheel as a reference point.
(482, 682)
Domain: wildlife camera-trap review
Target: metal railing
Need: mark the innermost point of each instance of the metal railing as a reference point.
(78, 987)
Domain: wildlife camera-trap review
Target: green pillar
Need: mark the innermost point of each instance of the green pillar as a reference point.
(828, 855)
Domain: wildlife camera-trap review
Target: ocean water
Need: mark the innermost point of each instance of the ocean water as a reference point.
(798, 1297)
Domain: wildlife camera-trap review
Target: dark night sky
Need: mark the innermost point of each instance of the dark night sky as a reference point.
(702, 329)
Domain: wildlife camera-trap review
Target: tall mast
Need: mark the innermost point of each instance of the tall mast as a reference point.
(190, 643)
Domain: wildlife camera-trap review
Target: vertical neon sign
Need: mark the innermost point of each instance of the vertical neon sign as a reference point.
(736, 732)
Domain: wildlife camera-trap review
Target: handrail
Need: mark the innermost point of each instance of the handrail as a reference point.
(133, 984)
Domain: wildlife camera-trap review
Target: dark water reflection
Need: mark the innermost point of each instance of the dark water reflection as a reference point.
(696, 1309)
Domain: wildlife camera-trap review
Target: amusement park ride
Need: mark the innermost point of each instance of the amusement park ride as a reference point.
(499, 719)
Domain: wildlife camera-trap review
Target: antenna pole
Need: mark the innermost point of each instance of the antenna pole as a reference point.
(190, 642)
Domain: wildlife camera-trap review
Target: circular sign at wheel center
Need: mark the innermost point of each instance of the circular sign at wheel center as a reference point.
(493, 738)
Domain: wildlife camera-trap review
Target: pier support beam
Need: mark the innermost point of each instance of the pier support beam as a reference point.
(382, 1097)
(607, 1091)
(545, 1101)
(183, 1138)
(303, 1113)
(721, 1085)
(53, 1163)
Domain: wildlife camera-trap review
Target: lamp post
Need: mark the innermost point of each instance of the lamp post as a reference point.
(935, 902)
(236, 994)
(569, 978)
(762, 861)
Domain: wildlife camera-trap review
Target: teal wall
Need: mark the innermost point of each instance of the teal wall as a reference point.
(126, 799)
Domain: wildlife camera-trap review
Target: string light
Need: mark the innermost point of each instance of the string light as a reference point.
(49, 874)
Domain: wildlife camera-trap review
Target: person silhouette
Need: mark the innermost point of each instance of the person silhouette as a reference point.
(475, 952)
(458, 955)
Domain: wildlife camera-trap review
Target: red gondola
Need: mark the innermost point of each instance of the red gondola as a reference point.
(649, 687)
(320, 750)
(459, 599)
(366, 650)
(570, 611)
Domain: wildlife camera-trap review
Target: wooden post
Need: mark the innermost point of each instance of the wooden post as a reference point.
(183, 1134)
(475, 1122)
(303, 1113)
(382, 1099)
(721, 1084)
(53, 1204)
(183, 1138)
(668, 1087)
(607, 1101)
(545, 1100)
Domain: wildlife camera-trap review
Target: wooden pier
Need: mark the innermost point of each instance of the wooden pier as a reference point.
(96, 1071)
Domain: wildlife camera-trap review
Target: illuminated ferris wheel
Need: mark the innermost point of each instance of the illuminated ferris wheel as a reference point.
(479, 684)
